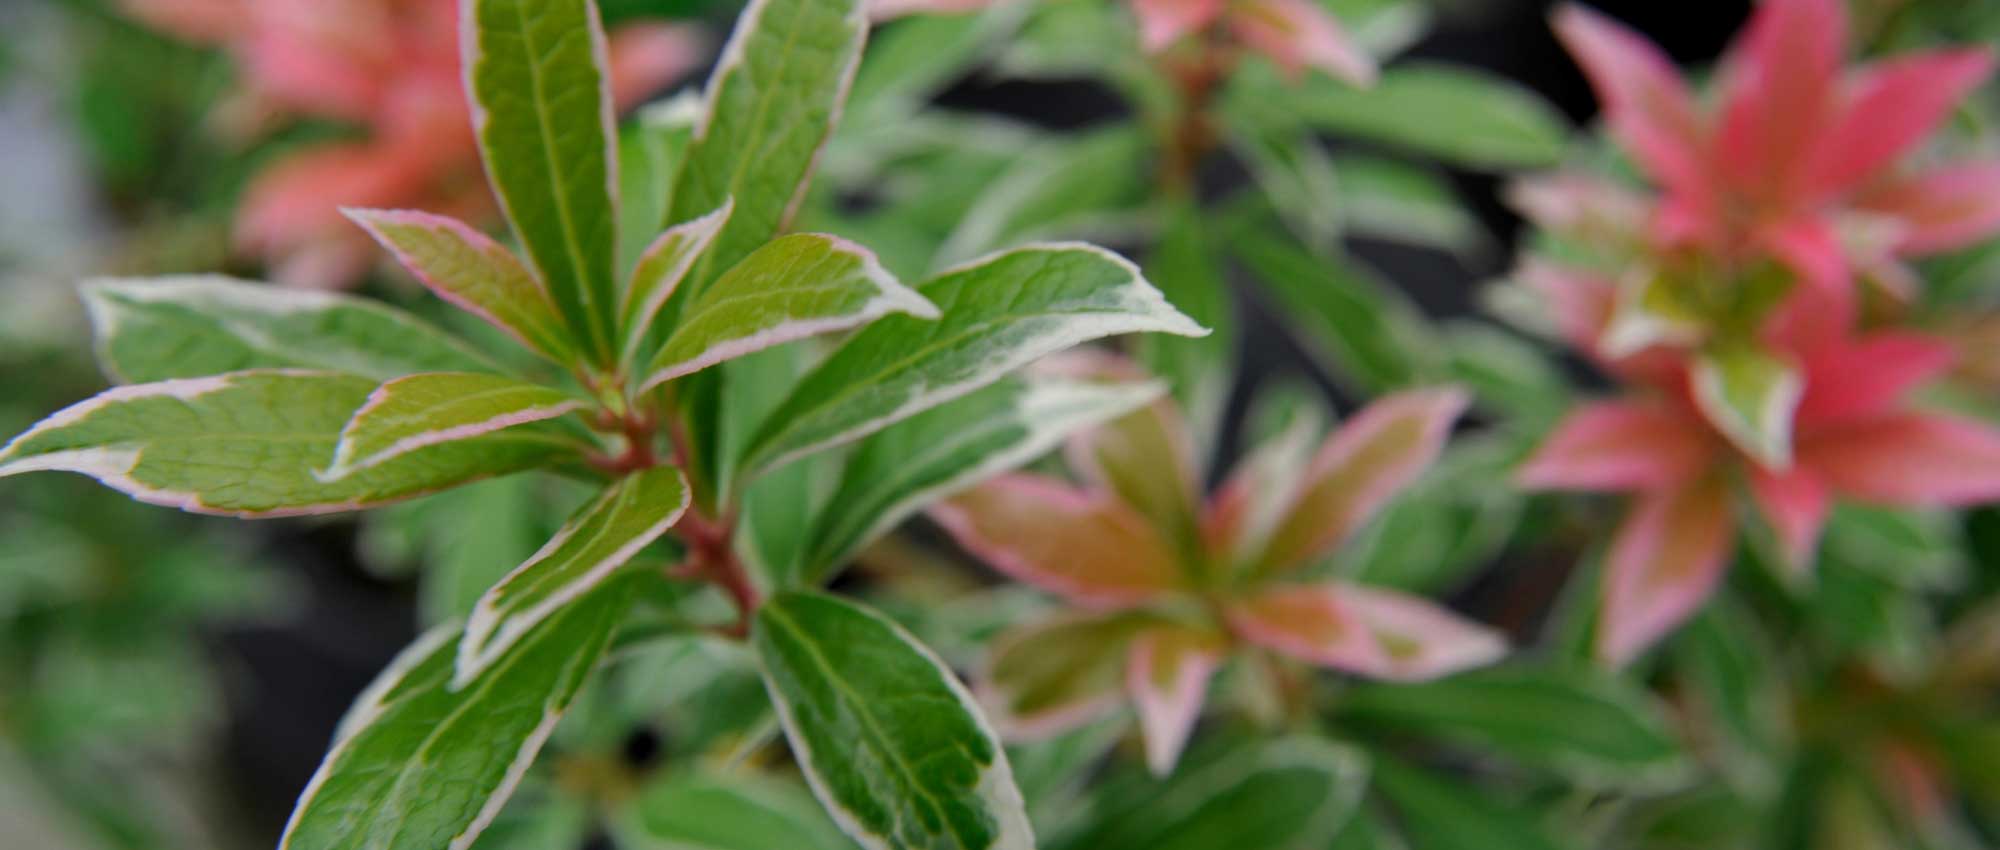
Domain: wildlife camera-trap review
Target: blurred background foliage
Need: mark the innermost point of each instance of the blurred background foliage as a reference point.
(168, 681)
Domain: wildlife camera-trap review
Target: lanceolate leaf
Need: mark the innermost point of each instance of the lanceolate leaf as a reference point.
(603, 536)
(475, 273)
(246, 444)
(659, 272)
(936, 453)
(998, 314)
(408, 414)
(1430, 109)
(772, 101)
(1438, 814)
(791, 288)
(191, 327)
(419, 765)
(536, 73)
(694, 812)
(1750, 396)
(650, 150)
(1285, 794)
(1588, 725)
(892, 743)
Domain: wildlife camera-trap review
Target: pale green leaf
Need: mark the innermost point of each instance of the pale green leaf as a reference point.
(894, 747)
(1283, 794)
(191, 327)
(1063, 187)
(1456, 115)
(1584, 724)
(659, 271)
(650, 150)
(930, 456)
(536, 73)
(420, 765)
(1298, 176)
(415, 412)
(998, 314)
(1385, 199)
(793, 287)
(246, 444)
(603, 536)
(743, 812)
(1750, 395)
(773, 100)
(474, 273)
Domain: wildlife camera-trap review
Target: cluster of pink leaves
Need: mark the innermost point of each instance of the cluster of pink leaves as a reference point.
(1294, 34)
(390, 67)
(1164, 587)
(1797, 166)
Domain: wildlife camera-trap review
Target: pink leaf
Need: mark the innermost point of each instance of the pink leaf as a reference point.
(1360, 468)
(1795, 503)
(1163, 22)
(1643, 97)
(1626, 445)
(1908, 459)
(1087, 548)
(1941, 210)
(199, 21)
(1778, 89)
(1363, 630)
(1299, 34)
(1580, 303)
(1868, 376)
(1168, 680)
(646, 57)
(1664, 562)
(1888, 109)
(1822, 307)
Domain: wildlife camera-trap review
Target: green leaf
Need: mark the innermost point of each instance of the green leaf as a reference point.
(1362, 330)
(1061, 188)
(603, 536)
(1584, 724)
(936, 453)
(535, 72)
(409, 414)
(773, 100)
(1386, 199)
(1187, 264)
(791, 288)
(650, 151)
(1750, 395)
(420, 765)
(659, 271)
(1462, 117)
(1297, 175)
(894, 746)
(1284, 794)
(912, 59)
(474, 273)
(1438, 814)
(191, 327)
(998, 314)
(699, 812)
(246, 444)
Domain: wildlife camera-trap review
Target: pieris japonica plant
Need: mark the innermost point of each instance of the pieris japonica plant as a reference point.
(246, 401)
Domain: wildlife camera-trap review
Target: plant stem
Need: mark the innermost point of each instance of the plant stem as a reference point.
(1191, 133)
